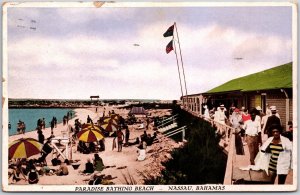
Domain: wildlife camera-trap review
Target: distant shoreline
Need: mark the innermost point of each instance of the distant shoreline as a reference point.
(45, 107)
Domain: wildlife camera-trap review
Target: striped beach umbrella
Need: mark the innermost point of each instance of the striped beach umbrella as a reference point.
(110, 120)
(90, 126)
(115, 117)
(109, 127)
(24, 148)
(90, 135)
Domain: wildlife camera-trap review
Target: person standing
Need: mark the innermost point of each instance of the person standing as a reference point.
(43, 123)
(220, 115)
(272, 120)
(127, 134)
(278, 150)
(264, 120)
(88, 120)
(236, 121)
(259, 114)
(41, 136)
(52, 126)
(147, 122)
(55, 121)
(120, 138)
(253, 138)
(206, 112)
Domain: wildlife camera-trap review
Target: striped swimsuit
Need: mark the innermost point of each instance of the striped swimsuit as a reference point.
(275, 150)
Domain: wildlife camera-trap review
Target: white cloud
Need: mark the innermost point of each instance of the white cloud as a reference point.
(82, 64)
(83, 15)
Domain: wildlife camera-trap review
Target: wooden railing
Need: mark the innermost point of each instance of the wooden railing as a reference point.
(230, 158)
(167, 121)
(176, 131)
(221, 128)
(229, 136)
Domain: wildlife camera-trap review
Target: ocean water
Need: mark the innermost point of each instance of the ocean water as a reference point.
(30, 117)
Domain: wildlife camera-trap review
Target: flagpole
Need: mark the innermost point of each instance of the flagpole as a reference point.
(178, 68)
(181, 60)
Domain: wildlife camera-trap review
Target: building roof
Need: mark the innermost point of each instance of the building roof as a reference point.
(137, 110)
(275, 78)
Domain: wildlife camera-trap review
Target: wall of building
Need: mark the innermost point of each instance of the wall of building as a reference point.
(274, 98)
(194, 103)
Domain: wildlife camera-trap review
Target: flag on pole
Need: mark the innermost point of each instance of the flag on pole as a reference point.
(169, 47)
(169, 32)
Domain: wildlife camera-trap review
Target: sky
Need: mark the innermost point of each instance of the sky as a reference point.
(74, 53)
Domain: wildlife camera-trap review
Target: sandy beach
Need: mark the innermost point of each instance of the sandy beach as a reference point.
(125, 162)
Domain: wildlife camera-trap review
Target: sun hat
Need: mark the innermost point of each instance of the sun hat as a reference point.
(236, 110)
(273, 108)
(258, 108)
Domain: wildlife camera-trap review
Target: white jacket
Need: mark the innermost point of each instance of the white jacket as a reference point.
(284, 162)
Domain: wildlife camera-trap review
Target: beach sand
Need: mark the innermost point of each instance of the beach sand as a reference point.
(126, 159)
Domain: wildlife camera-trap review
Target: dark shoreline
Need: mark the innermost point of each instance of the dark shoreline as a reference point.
(42, 107)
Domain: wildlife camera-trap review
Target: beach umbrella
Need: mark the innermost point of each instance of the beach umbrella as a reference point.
(90, 126)
(110, 127)
(115, 117)
(24, 148)
(90, 135)
(110, 120)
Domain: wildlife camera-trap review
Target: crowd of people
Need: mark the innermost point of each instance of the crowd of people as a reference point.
(251, 129)
(122, 138)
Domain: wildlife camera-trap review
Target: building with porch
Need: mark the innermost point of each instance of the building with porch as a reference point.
(266, 88)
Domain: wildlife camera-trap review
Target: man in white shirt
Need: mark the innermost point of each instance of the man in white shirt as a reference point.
(220, 115)
(206, 112)
(253, 136)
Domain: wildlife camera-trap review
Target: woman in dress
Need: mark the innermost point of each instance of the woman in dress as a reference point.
(278, 152)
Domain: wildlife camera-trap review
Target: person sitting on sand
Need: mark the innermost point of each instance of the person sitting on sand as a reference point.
(98, 163)
(89, 167)
(46, 170)
(92, 147)
(29, 165)
(102, 145)
(136, 142)
(63, 169)
(142, 151)
(16, 171)
(82, 148)
(144, 136)
(33, 176)
(152, 139)
(95, 179)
